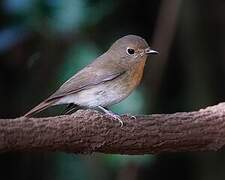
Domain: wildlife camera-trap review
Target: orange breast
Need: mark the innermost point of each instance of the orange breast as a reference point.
(136, 73)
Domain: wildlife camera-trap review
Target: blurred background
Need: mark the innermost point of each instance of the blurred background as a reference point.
(44, 42)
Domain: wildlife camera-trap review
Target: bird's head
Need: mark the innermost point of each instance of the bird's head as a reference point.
(130, 49)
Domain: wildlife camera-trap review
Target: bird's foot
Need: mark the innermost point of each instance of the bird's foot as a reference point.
(132, 116)
(115, 117)
(112, 115)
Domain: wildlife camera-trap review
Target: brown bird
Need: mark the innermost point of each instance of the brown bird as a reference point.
(107, 80)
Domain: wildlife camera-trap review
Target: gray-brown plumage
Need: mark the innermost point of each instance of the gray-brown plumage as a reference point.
(107, 80)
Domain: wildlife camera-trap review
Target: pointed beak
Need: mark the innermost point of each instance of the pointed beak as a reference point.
(150, 51)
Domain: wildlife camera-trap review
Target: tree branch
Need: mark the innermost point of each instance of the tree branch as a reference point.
(88, 131)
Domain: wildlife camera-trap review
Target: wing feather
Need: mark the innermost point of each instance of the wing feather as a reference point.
(100, 71)
(93, 74)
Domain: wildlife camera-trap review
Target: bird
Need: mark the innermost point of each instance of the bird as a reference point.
(106, 81)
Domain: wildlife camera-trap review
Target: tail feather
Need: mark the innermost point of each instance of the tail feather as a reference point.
(42, 106)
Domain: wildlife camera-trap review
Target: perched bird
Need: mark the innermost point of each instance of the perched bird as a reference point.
(109, 79)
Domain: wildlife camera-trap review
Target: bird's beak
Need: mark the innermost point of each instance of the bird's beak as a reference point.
(150, 51)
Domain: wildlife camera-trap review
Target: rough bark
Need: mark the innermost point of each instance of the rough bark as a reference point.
(88, 131)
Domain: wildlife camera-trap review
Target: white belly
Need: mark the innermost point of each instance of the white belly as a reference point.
(100, 95)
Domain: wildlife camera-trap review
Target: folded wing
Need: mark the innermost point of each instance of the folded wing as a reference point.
(96, 73)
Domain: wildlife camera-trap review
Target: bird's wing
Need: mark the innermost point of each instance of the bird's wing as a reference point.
(99, 71)
(86, 78)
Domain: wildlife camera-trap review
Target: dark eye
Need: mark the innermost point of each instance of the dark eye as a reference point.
(130, 51)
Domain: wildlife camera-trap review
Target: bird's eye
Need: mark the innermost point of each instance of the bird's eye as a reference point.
(130, 51)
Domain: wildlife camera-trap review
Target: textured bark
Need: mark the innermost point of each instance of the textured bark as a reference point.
(88, 131)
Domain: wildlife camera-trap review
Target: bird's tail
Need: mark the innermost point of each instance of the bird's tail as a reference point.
(42, 106)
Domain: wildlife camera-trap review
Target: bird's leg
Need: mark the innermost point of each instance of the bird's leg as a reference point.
(111, 114)
(70, 108)
(128, 114)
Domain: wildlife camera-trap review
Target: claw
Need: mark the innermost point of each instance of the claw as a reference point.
(115, 117)
(112, 115)
(132, 116)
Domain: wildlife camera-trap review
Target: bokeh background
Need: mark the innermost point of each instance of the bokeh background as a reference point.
(44, 42)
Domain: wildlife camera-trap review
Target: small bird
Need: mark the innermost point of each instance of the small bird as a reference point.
(109, 79)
